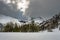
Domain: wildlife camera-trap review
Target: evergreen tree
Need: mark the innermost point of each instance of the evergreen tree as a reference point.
(8, 27)
(16, 28)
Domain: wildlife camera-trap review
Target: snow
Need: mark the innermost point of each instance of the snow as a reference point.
(5, 19)
(30, 36)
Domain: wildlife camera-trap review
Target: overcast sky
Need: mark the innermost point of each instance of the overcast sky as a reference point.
(43, 8)
(37, 8)
(7, 10)
(13, 9)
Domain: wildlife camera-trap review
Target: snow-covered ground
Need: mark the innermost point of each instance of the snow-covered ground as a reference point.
(30, 36)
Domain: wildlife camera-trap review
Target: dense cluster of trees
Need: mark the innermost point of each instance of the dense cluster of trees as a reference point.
(10, 27)
(33, 27)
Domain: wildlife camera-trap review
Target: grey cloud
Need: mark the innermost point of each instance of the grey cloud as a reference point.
(7, 10)
(44, 8)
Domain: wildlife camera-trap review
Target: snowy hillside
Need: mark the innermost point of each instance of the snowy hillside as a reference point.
(5, 19)
(36, 20)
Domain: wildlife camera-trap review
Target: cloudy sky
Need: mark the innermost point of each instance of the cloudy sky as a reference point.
(36, 8)
(14, 8)
(43, 8)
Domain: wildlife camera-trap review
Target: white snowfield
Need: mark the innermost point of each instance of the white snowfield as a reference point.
(30, 36)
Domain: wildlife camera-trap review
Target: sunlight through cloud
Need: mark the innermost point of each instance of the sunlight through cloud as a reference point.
(21, 5)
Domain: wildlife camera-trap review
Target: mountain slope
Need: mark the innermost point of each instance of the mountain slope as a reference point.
(5, 19)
